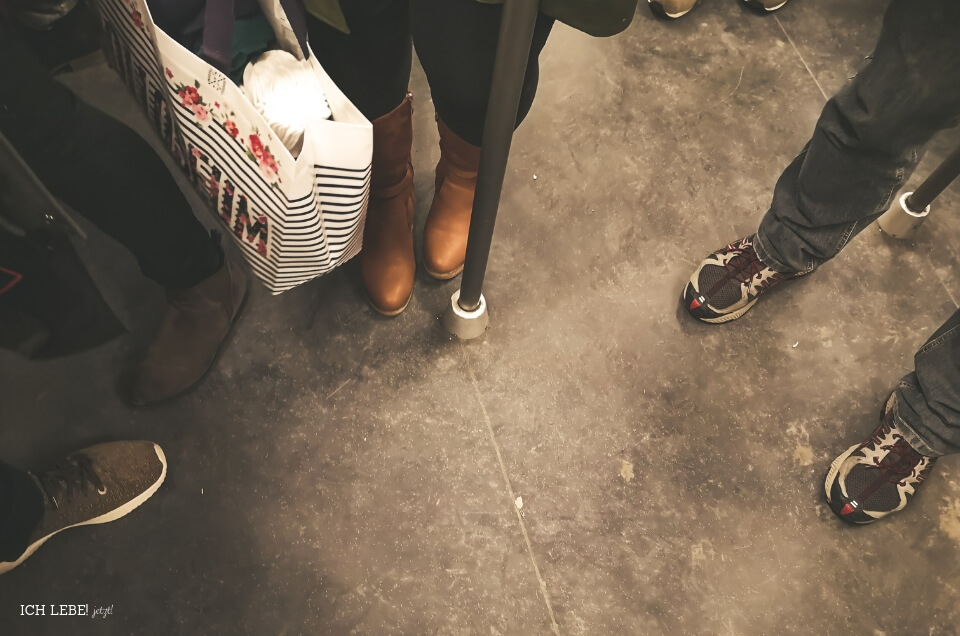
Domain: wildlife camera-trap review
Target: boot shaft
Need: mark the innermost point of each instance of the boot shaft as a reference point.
(392, 146)
(456, 155)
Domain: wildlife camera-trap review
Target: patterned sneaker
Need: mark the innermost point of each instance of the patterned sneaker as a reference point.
(95, 485)
(672, 9)
(728, 283)
(877, 476)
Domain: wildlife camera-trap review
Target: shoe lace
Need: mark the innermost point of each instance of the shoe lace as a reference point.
(72, 475)
(749, 266)
(876, 438)
(900, 462)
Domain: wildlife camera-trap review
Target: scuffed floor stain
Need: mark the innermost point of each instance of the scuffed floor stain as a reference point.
(803, 455)
(701, 552)
(950, 519)
(626, 470)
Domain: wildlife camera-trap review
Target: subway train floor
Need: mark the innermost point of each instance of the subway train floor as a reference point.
(598, 462)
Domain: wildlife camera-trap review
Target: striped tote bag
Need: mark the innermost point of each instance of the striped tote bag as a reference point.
(293, 218)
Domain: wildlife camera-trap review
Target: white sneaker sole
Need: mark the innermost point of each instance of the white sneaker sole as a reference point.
(834, 470)
(113, 515)
(767, 9)
(732, 315)
(673, 16)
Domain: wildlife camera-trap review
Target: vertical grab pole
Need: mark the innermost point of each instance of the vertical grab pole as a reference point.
(902, 220)
(936, 183)
(467, 317)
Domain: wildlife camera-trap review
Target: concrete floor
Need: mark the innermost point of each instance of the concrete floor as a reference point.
(342, 473)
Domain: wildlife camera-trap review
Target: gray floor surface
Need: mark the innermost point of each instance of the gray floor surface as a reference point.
(342, 473)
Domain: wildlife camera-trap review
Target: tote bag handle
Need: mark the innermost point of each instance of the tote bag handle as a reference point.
(218, 18)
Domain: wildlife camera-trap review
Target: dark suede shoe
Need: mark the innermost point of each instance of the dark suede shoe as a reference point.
(95, 485)
(198, 320)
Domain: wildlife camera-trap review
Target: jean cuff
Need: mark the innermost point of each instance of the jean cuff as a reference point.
(910, 436)
(773, 263)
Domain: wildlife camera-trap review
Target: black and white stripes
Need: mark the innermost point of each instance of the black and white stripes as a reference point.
(291, 225)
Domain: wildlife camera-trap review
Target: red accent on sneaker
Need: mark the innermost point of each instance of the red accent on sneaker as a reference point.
(847, 509)
(695, 303)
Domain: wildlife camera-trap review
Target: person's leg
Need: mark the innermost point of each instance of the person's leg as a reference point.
(103, 170)
(371, 66)
(869, 138)
(928, 398)
(456, 41)
(865, 145)
(21, 509)
(107, 173)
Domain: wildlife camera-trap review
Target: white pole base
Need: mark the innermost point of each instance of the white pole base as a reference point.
(902, 222)
(463, 324)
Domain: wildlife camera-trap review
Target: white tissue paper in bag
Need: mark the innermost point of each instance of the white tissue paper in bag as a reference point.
(287, 94)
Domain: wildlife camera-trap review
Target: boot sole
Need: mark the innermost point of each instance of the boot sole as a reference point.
(445, 276)
(113, 515)
(383, 312)
(216, 357)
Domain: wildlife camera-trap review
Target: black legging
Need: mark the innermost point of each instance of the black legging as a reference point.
(21, 508)
(103, 170)
(455, 39)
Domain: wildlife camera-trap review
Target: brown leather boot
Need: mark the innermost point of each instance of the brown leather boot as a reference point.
(387, 262)
(445, 233)
(195, 325)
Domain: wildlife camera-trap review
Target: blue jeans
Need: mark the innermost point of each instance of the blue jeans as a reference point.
(866, 144)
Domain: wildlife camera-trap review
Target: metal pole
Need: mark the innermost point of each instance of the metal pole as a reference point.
(902, 220)
(936, 183)
(509, 69)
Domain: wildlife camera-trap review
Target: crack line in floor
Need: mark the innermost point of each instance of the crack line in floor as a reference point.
(942, 282)
(802, 61)
(513, 497)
